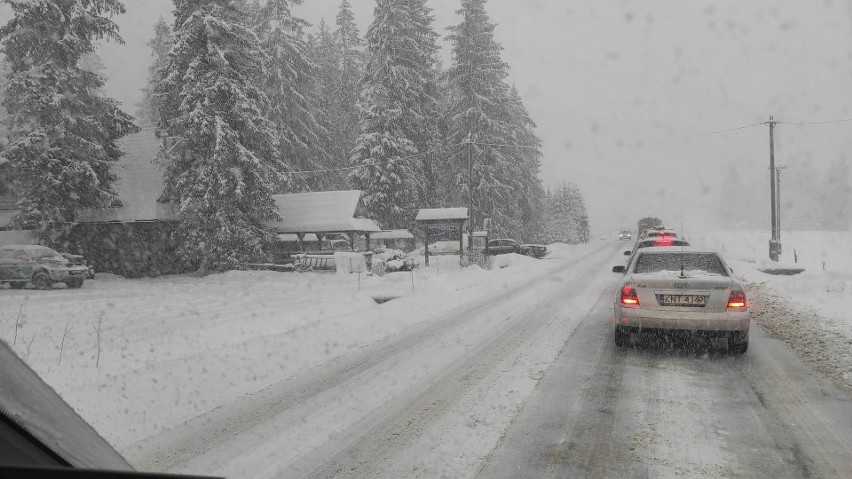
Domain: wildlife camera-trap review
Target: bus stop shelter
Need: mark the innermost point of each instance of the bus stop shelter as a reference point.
(427, 217)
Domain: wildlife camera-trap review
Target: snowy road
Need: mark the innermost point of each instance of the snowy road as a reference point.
(655, 411)
(529, 384)
(382, 409)
(504, 373)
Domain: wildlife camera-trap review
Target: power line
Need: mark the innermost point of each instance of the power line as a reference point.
(689, 137)
(614, 145)
(814, 122)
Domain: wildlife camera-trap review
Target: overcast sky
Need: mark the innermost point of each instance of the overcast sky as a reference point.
(601, 77)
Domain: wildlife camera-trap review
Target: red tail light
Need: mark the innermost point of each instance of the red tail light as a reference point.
(666, 241)
(737, 300)
(629, 297)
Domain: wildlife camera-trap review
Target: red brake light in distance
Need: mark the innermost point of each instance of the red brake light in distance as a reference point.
(664, 241)
(737, 300)
(629, 296)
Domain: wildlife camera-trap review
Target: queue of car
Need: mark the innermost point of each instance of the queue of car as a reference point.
(670, 287)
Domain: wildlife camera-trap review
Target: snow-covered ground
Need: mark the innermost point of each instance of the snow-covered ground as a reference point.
(809, 310)
(140, 359)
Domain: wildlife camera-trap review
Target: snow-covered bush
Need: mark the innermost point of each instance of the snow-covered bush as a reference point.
(395, 260)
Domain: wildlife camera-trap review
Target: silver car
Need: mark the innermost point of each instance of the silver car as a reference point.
(40, 265)
(680, 289)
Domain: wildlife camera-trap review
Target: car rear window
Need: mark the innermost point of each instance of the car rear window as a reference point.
(675, 261)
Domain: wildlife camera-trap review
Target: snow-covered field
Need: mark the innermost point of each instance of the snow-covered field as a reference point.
(141, 359)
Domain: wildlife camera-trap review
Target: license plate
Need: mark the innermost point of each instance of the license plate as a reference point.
(682, 300)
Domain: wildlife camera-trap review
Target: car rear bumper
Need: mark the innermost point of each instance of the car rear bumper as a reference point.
(681, 321)
(64, 274)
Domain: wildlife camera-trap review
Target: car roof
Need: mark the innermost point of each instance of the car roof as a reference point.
(674, 249)
(656, 239)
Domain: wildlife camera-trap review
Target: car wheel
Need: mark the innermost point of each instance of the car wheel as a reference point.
(621, 337)
(42, 281)
(737, 347)
(17, 284)
(75, 283)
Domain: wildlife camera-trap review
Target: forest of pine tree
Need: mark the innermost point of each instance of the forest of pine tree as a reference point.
(249, 100)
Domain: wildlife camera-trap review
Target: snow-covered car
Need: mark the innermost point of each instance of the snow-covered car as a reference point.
(681, 290)
(660, 233)
(625, 235)
(39, 265)
(652, 242)
(505, 246)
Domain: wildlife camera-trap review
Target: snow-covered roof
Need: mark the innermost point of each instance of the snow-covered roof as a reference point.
(392, 234)
(439, 214)
(323, 211)
(139, 185)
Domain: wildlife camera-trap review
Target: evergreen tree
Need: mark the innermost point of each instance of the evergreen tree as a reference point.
(477, 113)
(218, 147)
(160, 46)
(4, 117)
(567, 221)
(289, 82)
(526, 158)
(423, 127)
(63, 133)
(344, 77)
(388, 173)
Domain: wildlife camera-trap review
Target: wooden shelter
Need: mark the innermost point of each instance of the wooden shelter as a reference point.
(427, 217)
(324, 213)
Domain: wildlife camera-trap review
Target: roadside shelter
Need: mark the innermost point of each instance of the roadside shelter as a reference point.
(454, 217)
(324, 214)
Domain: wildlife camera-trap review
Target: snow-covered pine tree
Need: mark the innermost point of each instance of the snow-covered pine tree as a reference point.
(289, 82)
(529, 200)
(567, 221)
(343, 83)
(63, 133)
(4, 116)
(389, 173)
(218, 148)
(476, 113)
(425, 110)
(160, 45)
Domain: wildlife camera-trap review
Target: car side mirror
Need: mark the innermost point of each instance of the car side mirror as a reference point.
(627, 253)
(618, 269)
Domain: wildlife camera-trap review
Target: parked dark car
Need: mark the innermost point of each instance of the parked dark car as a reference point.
(39, 265)
(505, 246)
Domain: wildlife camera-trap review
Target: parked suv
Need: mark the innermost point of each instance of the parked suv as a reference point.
(40, 265)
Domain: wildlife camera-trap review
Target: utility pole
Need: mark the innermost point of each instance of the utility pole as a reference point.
(774, 243)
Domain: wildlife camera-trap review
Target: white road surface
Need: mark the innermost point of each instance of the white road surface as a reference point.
(508, 375)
